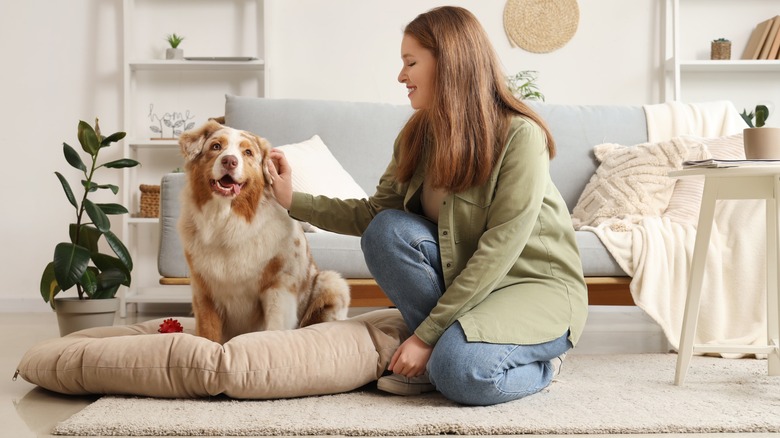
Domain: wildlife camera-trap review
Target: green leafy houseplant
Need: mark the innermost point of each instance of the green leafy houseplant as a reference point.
(523, 85)
(761, 114)
(79, 262)
(174, 40)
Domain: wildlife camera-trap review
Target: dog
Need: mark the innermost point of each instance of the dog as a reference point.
(250, 263)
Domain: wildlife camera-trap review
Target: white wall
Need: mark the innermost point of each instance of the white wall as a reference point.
(62, 61)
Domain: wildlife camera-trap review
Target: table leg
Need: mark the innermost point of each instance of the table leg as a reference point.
(772, 259)
(693, 298)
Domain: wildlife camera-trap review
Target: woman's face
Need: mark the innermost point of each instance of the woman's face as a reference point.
(417, 73)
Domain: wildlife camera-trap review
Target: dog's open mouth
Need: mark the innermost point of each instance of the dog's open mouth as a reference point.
(226, 186)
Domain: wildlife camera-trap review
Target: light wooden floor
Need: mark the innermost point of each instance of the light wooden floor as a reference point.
(28, 411)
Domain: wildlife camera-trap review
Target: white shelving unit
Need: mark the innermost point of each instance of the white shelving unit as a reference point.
(678, 65)
(184, 79)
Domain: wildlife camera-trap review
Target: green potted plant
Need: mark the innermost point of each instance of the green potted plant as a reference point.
(79, 262)
(523, 85)
(174, 52)
(761, 142)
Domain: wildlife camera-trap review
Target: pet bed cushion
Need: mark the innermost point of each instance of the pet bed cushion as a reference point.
(135, 359)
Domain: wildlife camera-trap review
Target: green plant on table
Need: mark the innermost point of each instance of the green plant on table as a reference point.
(79, 262)
(174, 40)
(761, 113)
(523, 85)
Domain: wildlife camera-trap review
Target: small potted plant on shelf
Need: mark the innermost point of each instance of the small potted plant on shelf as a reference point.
(79, 262)
(174, 52)
(720, 49)
(761, 142)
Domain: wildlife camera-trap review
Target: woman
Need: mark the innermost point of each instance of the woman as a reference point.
(466, 233)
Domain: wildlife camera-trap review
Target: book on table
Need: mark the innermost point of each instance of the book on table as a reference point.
(715, 163)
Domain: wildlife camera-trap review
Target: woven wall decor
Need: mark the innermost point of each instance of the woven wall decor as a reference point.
(541, 26)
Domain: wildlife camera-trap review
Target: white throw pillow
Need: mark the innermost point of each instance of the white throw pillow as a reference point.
(631, 182)
(316, 171)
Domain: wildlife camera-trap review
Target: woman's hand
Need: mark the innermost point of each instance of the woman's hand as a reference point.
(281, 177)
(411, 357)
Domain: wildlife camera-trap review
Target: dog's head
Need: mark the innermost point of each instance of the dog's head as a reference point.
(225, 163)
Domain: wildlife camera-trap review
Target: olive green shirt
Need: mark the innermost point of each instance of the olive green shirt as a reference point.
(512, 269)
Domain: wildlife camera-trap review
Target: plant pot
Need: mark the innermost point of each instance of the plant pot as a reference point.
(720, 50)
(762, 143)
(74, 314)
(174, 53)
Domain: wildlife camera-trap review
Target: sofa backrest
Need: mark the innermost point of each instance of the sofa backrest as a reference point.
(360, 135)
(576, 129)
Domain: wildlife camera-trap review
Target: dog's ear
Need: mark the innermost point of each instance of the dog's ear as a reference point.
(265, 148)
(191, 142)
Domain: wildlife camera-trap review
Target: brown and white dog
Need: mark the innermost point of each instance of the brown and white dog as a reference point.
(250, 262)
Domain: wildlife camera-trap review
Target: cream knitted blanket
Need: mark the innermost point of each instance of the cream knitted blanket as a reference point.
(657, 250)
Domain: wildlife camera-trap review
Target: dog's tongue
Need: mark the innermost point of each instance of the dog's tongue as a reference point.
(228, 183)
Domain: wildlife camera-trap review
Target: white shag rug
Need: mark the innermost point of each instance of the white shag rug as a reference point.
(600, 394)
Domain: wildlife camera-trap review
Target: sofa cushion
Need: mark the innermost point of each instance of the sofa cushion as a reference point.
(136, 360)
(316, 171)
(170, 257)
(631, 182)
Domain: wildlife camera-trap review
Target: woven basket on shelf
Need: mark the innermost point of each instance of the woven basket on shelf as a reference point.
(150, 200)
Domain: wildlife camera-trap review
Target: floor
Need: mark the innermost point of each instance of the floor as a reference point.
(28, 411)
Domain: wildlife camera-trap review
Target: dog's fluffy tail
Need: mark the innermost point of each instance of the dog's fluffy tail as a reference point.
(329, 299)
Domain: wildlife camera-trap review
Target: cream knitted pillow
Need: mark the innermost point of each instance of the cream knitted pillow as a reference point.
(630, 182)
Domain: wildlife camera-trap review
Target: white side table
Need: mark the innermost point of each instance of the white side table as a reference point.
(756, 182)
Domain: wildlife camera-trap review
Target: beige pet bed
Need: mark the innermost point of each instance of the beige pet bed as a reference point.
(137, 360)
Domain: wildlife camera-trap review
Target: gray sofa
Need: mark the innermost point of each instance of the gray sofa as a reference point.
(361, 135)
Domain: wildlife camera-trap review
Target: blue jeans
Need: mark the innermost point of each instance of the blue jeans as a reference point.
(402, 253)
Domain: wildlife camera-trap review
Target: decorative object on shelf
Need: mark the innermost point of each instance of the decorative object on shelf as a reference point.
(176, 122)
(79, 262)
(761, 142)
(174, 52)
(150, 200)
(523, 85)
(720, 49)
(541, 26)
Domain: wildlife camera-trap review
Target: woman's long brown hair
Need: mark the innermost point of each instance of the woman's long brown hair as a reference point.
(463, 132)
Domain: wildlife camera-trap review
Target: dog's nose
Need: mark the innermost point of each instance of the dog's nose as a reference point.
(229, 162)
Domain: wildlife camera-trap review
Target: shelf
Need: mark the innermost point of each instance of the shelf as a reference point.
(153, 144)
(134, 220)
(171, 65)
(731, 66)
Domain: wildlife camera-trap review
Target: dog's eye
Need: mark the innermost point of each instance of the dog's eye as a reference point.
(248, 153)
(216, 147)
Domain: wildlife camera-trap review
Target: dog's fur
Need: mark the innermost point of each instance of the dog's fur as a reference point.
(250, 263)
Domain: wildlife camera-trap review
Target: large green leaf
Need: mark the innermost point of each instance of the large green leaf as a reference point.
(67, 189)
(49, 285)
(73, 158)
(70, 262)
(113, 208)
(108, 283)
(88, 138)
(112, 138)
(121, 163)
(105, 262)
(89, 281)
(99, 218)
(88, 237)
(119, 249)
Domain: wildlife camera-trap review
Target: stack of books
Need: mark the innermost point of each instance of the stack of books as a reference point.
(714, 163)
(764, 42)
